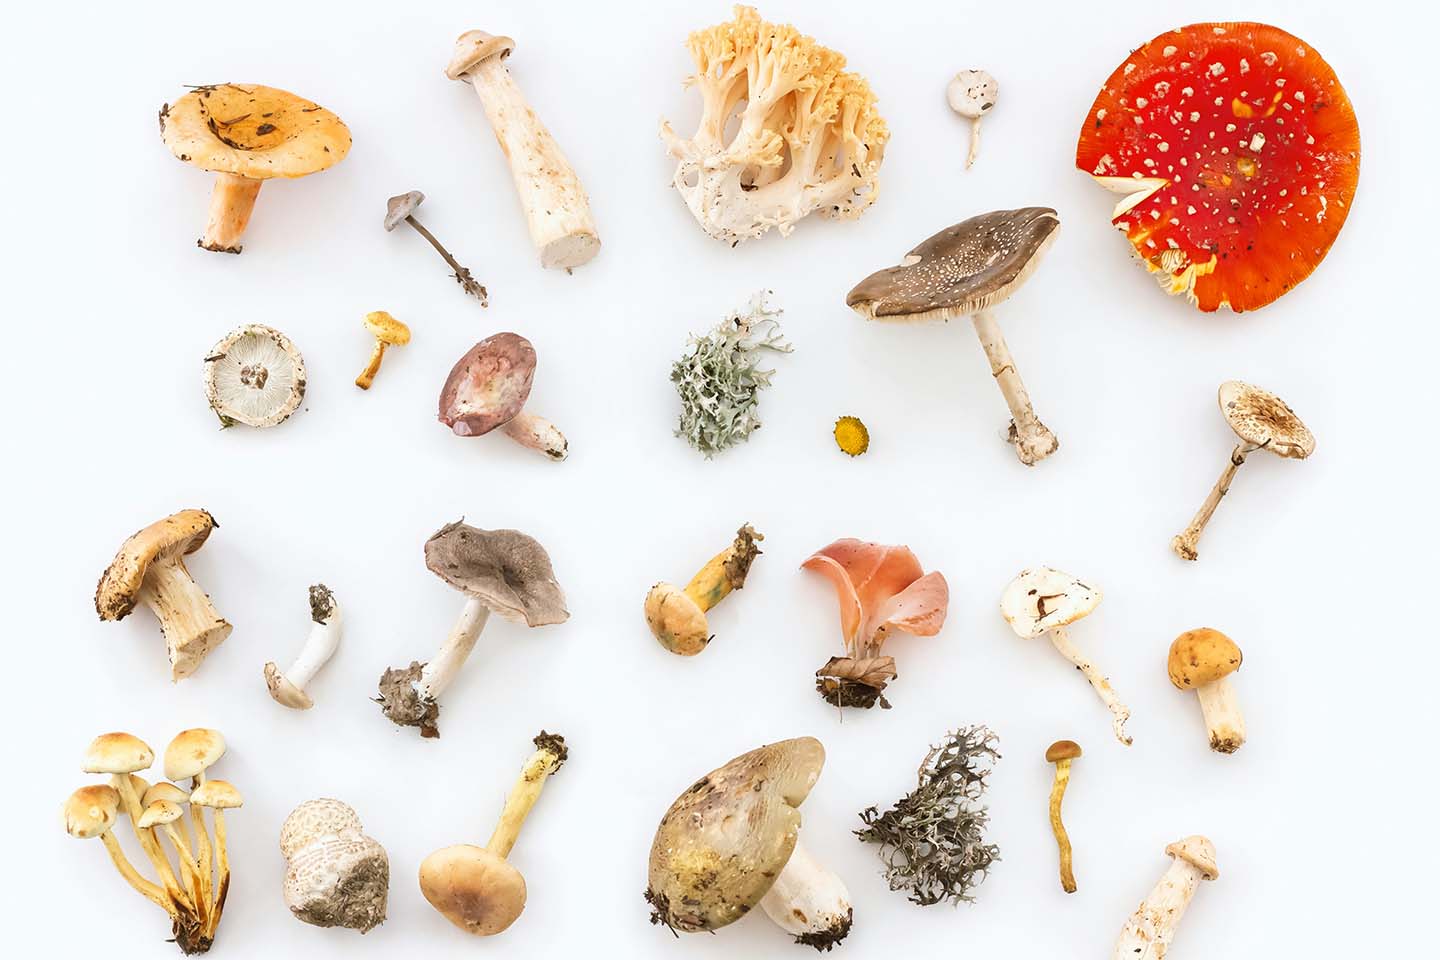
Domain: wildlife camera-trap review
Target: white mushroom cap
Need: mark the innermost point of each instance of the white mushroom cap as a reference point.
(1042, 598)
(335, 876)
(972, 93)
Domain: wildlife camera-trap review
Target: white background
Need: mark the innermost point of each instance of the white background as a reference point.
(1320, 569)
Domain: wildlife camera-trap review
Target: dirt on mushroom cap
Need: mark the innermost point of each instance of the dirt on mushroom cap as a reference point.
(253, 131)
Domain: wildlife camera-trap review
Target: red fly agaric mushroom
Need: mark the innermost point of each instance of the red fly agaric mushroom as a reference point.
(488, 387)
(1237, 153)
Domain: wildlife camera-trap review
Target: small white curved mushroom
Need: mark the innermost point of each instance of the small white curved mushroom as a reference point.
(288, 688)
(335, 875)
(971, 93)
(1151, 928)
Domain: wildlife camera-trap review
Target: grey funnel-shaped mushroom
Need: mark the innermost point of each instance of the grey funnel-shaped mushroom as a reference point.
(487, 389)
(966, 271)
(401, 209)
(500, 571)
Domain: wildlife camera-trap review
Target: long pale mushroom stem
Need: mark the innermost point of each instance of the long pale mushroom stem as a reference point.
(231, 203)
(1062, 838)
(222, 872)
(537, 433)
(1119, 713)
(190, 867)
(148, 843)
(549, 754)
(436, 675)
(1148, 932)
(1032, 439)
(974, 143)
(189, 621)
(202, 840)
(1186, 541)
(151, 891)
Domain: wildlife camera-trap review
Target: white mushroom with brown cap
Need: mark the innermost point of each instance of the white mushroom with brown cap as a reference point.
(487, 389)
(1262, 421)
(150, 569)
(732, 840)
(288, 688)
(500, 571)
(1148, 933)
(557, 211)
(254, 376)
(967, 271)
(1045, 601)
(335, 875)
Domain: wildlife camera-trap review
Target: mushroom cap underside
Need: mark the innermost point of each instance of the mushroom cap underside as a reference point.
(723, 842)
(488, 386)
(255, 376)
(192, 752)
(507, 570)
(253, 131)
(964, 269)
(473, 888)
(176, 535)
(474, 47)
(1199, 852)
(1202, 656)
(1264, 420)
(1238, 154)
(676, 620)
(1042, 598)
(117, 753)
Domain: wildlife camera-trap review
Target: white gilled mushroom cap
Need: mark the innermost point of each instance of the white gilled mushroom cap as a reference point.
(1265, 421)
(335, 876)
(254, 376)
(1041, 599)
(192, 752)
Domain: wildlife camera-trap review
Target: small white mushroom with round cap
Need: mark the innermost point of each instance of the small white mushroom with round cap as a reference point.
(1262, 421)
(401, 209)
(556, 208)
(971, 94)
(1045, 601)
(1148, 933)
(500, 571)
(254, 376)
(968, 270)
(288, 688)
(732, 840)
(335, 875)
(487, 389)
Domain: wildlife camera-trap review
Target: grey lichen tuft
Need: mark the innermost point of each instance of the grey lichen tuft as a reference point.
(719, 378)
(932, 840)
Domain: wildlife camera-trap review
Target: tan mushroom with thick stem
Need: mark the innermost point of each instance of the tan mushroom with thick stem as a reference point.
(388, 332)
(246, 134)
(1262, 421)
(1202, 660)
(677, 618)
(1045, 601)
(968, 270)
(556, 208)
(1062, 753)
(1148, 933)
(150, 570)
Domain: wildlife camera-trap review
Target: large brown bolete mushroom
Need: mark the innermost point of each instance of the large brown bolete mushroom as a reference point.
(732, 840)
(1262, 421)
(150, 569)
(245, 134)
(500, 571)
(487, 388)
(1237, 154)
(966, 271)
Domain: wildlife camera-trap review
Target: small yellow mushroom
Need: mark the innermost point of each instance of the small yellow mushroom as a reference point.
(388, 332)
(1061, 752)
(852, 436)
(677, 617)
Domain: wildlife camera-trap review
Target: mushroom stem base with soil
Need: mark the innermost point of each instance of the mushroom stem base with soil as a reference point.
(549, 754)
(191, 624)
(409, 696)
(1032, 439)
(231, 202)
(1185, 542)
(1224, 721)
(809, 902)
(537, 433)
(1119, 713)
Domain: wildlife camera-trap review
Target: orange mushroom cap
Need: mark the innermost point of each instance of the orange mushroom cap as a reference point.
(1238, 153)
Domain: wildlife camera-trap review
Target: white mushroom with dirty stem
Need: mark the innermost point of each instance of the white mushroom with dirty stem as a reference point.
(966, 271)
(557, 211)
(335, 875)
(1148, 933)
(971, 94)
(1202, 660)
(401, 209)
(487, 390)
(500, 571)
(1045, 601)
(254, 376)
(288, 688)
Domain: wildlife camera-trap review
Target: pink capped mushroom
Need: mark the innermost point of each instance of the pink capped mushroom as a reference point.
(882, 590)
(487, 389)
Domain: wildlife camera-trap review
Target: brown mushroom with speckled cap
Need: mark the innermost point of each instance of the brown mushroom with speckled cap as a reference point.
(150, 570)
(245, 134)
(966, 271)
(487, 389)
(1262, 421)
(732, 840)
(677, 618)
(500, 571)
(1202, 660)
(335, 875)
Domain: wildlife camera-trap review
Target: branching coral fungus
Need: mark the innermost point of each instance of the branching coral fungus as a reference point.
(785, 131)
(932, 840)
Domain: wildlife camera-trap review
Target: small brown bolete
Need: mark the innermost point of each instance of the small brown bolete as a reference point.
(1202, 660)
(677, 618)
(487, 389)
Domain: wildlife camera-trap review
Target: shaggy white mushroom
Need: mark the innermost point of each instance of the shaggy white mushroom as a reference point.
(1151, 928)
(288, 688)
(254, 376)
(335, 875)
(971, 94)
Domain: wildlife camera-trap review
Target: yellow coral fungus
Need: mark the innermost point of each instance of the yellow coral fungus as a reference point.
(852, 436)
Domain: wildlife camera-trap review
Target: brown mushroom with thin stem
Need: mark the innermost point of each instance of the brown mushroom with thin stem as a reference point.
(1202, 660)
(188, 756)
(401, 209)
(91, 812)
(246, 134)
(1262, 421)
(219, 795)
(388, 332)
(677, 618)
(1061, 753)
(487, 389)
(477, 888)
(150, 570)
(966, 271)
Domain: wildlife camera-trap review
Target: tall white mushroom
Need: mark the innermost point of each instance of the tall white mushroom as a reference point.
(288, 688)
(1151, 928)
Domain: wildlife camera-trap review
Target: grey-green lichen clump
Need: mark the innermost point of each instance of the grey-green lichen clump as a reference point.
(932, 840)
(719, 378)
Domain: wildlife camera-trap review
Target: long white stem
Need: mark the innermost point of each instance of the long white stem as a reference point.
(1224, 721)
(808, 901)
(437, 674)
(1186, 541)
(1119, 713)
(974, 143)
(537, 433)
(1148, 932)
(320, 646)
(1032, 439)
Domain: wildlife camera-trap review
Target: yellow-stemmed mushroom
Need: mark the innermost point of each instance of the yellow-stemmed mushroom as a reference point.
(677, 617)
(219, 796)
(388, 332)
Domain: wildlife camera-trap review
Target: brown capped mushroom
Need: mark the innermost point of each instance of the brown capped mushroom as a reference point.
(189, 755)
(401, 209)
(732, 840)
(1062, 753)
(487, 388)
(968, 270)
(500, 571)
(1202, 660)
(388, 332)
(245, 134)
(677, 618)
(335, 875)
(1262, 421)
(150, 569)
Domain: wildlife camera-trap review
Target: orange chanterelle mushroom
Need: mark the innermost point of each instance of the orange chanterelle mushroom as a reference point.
(1237, 153)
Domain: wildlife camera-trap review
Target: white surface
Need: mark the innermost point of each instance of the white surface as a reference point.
(110, 307)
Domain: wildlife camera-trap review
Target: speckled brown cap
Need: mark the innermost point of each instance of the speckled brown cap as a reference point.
(505, 569)
(176, 535)
(1260, 418)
